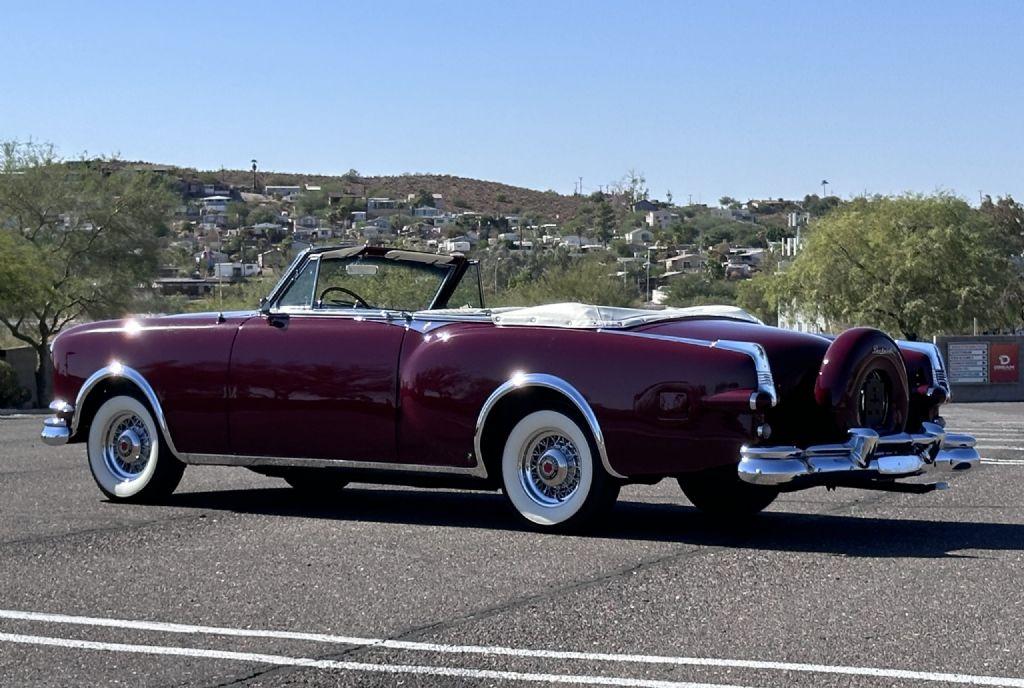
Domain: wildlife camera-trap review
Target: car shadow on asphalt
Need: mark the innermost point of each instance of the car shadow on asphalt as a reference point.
(845, 535)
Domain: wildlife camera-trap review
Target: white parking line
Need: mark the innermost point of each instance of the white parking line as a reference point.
(1004, 462)
(309, 662)
(998, 446)
(511, 651)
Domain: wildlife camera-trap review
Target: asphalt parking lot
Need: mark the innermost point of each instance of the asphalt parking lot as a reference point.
(237, 581)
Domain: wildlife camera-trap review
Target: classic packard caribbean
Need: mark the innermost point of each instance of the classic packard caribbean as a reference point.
(377, 365)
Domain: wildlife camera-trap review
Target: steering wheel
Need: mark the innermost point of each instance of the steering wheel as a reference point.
(359, 301)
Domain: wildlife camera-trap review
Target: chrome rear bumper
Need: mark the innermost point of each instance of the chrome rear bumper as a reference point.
(57, 428)
(865, 455)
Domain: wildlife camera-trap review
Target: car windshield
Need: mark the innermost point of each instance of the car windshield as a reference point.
(362, 281)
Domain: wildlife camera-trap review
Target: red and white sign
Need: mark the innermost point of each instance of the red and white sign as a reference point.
(1003, 362)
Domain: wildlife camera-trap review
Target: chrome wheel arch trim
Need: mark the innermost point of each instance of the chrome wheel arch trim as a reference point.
(119, 371)
(520, 381)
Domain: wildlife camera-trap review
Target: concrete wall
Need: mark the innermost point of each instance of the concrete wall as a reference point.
(23, 360)
(974, 363)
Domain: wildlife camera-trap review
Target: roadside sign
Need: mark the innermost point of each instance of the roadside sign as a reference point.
(968, 362)
(1003, 364)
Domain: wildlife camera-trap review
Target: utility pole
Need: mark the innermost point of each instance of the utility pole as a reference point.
(648, 273)
(254, 175)
(581, 186)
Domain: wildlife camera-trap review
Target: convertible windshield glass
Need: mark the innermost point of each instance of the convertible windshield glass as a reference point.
(368, 282)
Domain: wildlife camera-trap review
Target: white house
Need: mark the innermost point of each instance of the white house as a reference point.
(235, 270)
(639, 236)
(457, 245)
(661, 219)
(215, 204)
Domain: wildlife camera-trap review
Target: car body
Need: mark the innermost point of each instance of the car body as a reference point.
(382, 365)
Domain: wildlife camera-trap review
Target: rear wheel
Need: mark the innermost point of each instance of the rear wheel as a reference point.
(719, 492)
(127, 454)
(551, 474)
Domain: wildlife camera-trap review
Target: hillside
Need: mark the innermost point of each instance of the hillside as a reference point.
(460, 193)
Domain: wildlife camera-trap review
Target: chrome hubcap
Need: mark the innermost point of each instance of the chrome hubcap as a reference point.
(549, 468)
(127, 446)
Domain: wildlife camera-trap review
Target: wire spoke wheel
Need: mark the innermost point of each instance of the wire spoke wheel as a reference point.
(552, 475)
(549, 468)
(127, 445)
(127, 455)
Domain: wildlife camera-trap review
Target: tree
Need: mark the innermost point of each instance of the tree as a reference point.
(728, 202)
(700, 290)
(634, 185)
(77, 239)
(585, 280)
(604, 221)
(912, 265)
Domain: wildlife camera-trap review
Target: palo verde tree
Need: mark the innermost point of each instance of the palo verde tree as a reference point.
(913, 265)
(78, 240)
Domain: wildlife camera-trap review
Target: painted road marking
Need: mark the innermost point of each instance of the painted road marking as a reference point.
(309, 662)
(1004, 462)
(996, 446)
(943, 677)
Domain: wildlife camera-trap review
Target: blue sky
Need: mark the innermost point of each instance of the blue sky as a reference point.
(745, 99)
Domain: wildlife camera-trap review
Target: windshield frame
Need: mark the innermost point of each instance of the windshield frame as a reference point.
(455, 268)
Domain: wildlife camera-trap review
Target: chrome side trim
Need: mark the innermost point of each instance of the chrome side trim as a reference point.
(523, 380)
(930, 350)
(477, 471)
(117, 370)
(756, 352)
(900, 455)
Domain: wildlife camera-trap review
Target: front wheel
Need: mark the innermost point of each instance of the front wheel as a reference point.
(721, 493)
(551, 475)
(127, 456)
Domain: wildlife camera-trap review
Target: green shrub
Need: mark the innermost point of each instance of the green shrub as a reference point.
(12, 395)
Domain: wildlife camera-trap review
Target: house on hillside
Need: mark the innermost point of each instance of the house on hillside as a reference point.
(644, 206)
(382, 207)
(639, 236)
(660, 219)
(283, 192)
(686, 263)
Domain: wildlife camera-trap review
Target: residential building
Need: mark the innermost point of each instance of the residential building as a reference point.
(284, 192)
(644, 206)
(798, 219)
(639, 236)
(686, 263)
(661, 219)
(456, 245)
(382, 207)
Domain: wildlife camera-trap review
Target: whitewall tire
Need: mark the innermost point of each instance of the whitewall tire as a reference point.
(127, 456)
(551, 475)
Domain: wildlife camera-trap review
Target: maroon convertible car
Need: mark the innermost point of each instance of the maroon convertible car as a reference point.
(377, 365)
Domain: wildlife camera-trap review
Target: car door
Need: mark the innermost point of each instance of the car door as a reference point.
(308, 381)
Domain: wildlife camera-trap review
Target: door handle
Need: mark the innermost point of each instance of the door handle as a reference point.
(279, 320)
